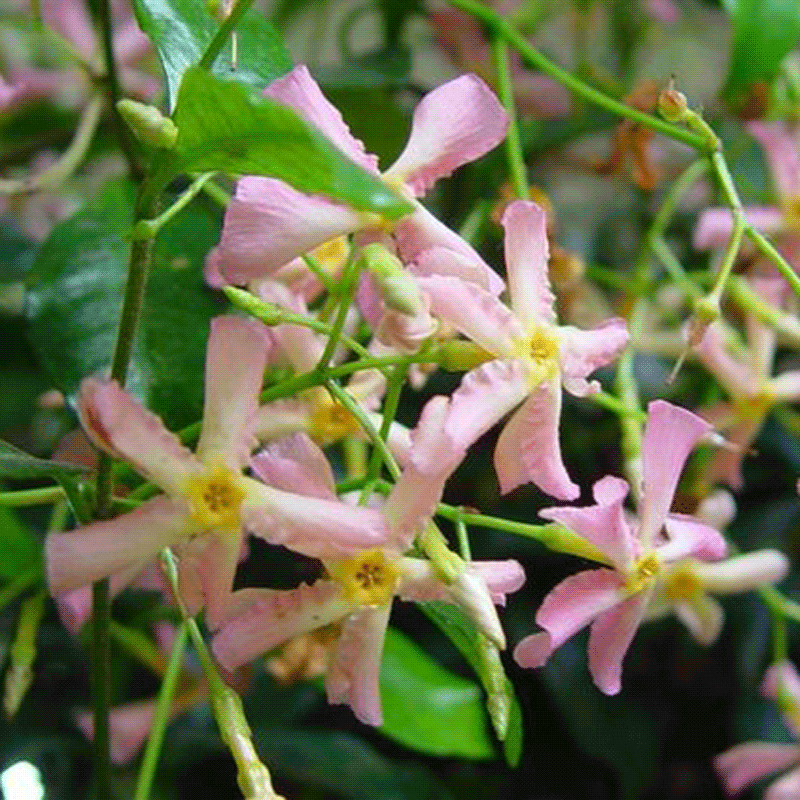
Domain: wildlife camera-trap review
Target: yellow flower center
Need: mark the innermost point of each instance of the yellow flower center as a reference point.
(332, 254)
(330, 422)
(368, 578)
(215, 499)
(755, 406)
(643, 574)
(542, 347)
(683, 584)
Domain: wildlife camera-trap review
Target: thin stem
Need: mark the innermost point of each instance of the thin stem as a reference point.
(223, 33)
(516, 160)
(32, 497)
(392, 400)
(348, 287)
(161, 719)
(781, 264)
(148, 228)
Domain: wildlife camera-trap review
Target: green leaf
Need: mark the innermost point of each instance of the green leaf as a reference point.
(223, 128)
(764, 31)
(75, 295)
(428, 708)
(17, 464)
(20, 551)
(182, 29)
(23, 653)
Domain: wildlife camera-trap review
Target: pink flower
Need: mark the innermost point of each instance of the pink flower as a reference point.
(614, 601)
(747, 763)
(358, 591)
(268, 223)
(532, 356)
(208, 501)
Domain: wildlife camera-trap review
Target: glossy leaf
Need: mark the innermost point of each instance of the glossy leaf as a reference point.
(221, 127)
(764, 31)
(182, 29)
(428, 708)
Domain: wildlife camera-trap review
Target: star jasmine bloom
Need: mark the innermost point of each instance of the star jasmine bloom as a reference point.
(358, 591)
(614, 599)
(531, 356)
(745, 764)
(208, 501)
(267, 224)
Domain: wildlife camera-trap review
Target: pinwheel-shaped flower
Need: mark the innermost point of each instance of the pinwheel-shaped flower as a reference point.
(532, 356)
(208, 501)
(614, 601)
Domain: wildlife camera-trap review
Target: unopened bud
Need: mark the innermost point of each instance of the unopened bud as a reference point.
(397, 286)
(673, 105)
(148, 124)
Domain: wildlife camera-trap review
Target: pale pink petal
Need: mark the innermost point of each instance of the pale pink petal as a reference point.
(576, 601)
(527, 252)
(485, 396)
(354, 673)
(281, 418)
(104, 548)
(725, 465)
(454, 124)
(270, 616)
(703, 617)
(782, 677)
(611, 635)
(715, 225)
(421, 230)
(780, 148)
(744, 572)
(295, 464)
(314, 526)
(582, 352)
(71, 19)
(268, 223)
(786, 386)
(785, 788)
(121, 426)
(528, 448)
(747, 763)
(534, 650)
(442, 261)
(129, 725)
(300, 91)
(670, 435)
(235, 360)
(604, 524)
(734, 374)
(689, 536)
(130, 44)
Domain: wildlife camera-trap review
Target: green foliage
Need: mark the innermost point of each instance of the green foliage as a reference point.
(16, 464)
(182, 29)
(21, 550)
(764, 31)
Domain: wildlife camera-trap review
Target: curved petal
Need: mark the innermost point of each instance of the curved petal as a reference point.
(610, 637)
(715, 225)
(454, 124)
(670, 435)
(485, 396)
(734, 374)
(268, 223)
(582, 352)
(71, 19)
(703, 617)
(270, 616)
(528, 448)
(690, 537)
(119, 425)
(785, 788)
(781, 677)
(281, 418)
(235, 360)
(604, 524)
(441, 261)
(741, 573)
(746, 763)
(780, 148)
(527, 252)
(300, 91)
(534, 650)
(354, 673)
(128, 728)
(96, 551)
(576, 601)
(295, 464)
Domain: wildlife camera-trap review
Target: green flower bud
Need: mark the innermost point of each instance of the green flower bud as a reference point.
(148, 124)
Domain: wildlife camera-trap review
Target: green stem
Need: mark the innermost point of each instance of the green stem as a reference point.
(780, 604)
(223, 33)
(391, 402)
(348, 287)
(161, 719)
(768, 250)
(148, 228)
(502, 28)
(32, 497)
(516, 160)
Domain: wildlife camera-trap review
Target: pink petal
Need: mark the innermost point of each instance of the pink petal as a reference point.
(104, 548)
(121, 426)
(485, 395)
(281, 418)
(610, 637)
(780, 148)
(453, 125)
(703, 617)
(741, 573)
(733, 373)
(444, 262)
(130, 44)
(70, 18)
(725, 465)
(715, 225)
(670, 435)
(235, 360)
(582, 352)
(746, 763)
(474, 312)
(785, 788)
(129, 726)
(527, 252)
(295, 464)
(534, 650)
(314, 526)
(689, 536)
(782, 677)
(300, 91)
(269, 617)
(528, 448)
(603, 524)
(267, 224)
(576, 601)
(354, 674)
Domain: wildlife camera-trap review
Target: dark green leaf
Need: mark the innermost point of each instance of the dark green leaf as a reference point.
(21, 551)
(182, 29)
(223, 128)
(76, 291)
(428, 708)
(764, 31)
(17, 464)
(384, 68)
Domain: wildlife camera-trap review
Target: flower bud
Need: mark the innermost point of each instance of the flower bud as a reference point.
(673, 105)
(149, 125)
